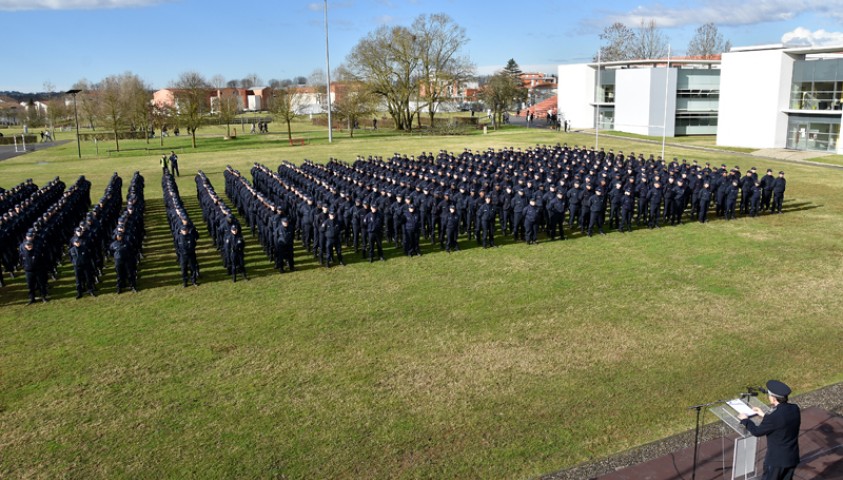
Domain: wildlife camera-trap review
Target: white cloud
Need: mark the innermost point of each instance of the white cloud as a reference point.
(723, 12)
(17, 5)
(818, 38)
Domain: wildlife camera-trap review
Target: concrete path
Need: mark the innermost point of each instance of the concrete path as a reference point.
(8, 151)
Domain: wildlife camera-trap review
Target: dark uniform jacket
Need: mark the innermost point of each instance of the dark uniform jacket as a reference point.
(781, 427)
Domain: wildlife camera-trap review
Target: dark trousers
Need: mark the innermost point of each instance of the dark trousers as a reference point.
(36, 282)
(778, 198)
(488, 233)
(375, 243)
(575, 212)
(626, 220)
(451, 243)
(704, 212)
(189, 268)
(778, 473)
(531, 229)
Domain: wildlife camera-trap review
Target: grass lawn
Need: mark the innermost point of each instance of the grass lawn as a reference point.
(829, 159)
(503, 363)
(707, 141)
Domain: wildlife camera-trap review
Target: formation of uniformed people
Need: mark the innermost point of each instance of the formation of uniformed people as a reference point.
(126, 247)
(26, 203)
(403, 200)
(529, 191)
(223, 227)
(43, 246)
(184, 232)
(89, 243)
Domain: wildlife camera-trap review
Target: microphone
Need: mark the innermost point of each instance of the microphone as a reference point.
(751, 393)
(757, 390)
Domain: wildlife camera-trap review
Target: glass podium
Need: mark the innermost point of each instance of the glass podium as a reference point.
(746, 445)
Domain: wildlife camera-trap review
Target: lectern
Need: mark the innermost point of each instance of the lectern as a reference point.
(746, 445)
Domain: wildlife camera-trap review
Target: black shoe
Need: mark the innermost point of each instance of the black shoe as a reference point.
(134, 289)
(119, 291)
(91, 292)
(195, 284)
(31, 301)
(45, 299)
(78, 296)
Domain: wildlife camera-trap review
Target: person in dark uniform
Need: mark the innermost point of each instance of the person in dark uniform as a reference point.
(234, 249)
(627, 209)
(597, 212)
(452, 229)
(284, 236)
(120, 251)
(705, 201)
(781, 427)
(186, 252)
(531, 222)
(486, 221)
(174, 162)
(412, 231)
(731, 199)
(779, 186)
(755, 199)
(34, 270)
(373, 223)
(767, 182)
(654, 200)
(332, 229)
(557, 216)
(519, 203)
(83, 267)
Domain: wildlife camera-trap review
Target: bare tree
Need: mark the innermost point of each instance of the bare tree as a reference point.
(619, 43)
(387, 61)
(217, 81)
(135, 94)
(286, 104)
(233, 84)
(254, 80)
(442, 69)
(500, 93)
(192, 101)
(228, 106)
(112, 110)
(707, 42)
(87, 101)
(161, 115)
(650, 41)
(353, 100)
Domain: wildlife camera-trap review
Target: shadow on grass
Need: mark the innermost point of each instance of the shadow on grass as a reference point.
(159, 267)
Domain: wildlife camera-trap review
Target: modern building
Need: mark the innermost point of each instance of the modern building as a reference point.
(679, 96)
(775, 96)
(768, 96)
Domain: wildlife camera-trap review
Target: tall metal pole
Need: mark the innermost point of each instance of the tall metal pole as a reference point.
(597, 106)
(76, 114)
(328, 65)
(664, 119)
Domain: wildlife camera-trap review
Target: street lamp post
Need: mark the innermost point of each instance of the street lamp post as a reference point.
(328, 64)
(76, 114)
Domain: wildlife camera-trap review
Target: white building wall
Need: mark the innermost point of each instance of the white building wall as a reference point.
(640, 101)
(754, 91)
(576, 94)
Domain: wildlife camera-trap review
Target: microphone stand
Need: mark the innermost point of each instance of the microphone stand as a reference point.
(697, 426)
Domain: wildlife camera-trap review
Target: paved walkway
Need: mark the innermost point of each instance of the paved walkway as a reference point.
(8, 151)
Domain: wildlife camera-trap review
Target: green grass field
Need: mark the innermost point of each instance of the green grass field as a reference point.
(503, 363)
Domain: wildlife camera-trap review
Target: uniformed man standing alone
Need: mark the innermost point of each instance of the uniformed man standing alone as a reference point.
(781, 427)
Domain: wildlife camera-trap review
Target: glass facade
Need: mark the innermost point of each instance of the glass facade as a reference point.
(817, 85)
(697, 101)
(813, 132)
(606, 87)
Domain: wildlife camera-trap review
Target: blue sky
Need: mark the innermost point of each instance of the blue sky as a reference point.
(62, 41)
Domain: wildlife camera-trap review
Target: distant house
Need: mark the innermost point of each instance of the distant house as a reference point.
(10, 111)
(248, 99)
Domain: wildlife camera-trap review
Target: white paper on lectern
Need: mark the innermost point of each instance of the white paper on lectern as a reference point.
(741, 407)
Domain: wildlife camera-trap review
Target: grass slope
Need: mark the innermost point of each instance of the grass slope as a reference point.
(504, 363)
